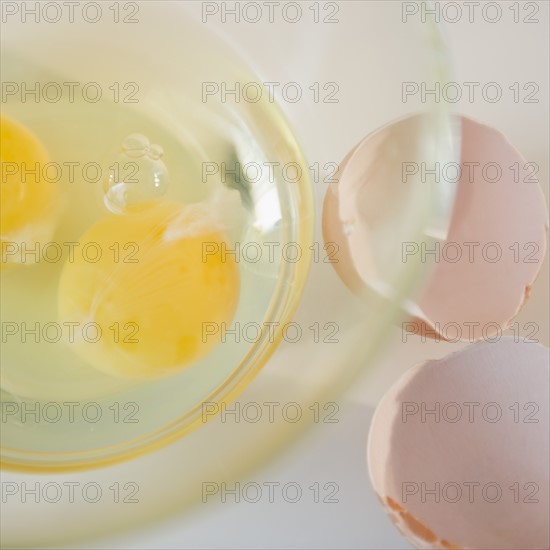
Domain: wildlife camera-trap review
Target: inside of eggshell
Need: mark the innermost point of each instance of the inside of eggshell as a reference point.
(414, 529)
(369, 210)
(432, 451)
(475, 296)
(479, 295)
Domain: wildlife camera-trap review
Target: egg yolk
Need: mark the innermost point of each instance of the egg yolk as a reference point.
(141, 307)
(26, 198)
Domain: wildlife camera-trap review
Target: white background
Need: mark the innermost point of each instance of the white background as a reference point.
(503, 52)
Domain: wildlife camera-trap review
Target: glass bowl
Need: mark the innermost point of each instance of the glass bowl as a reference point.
(264, 111)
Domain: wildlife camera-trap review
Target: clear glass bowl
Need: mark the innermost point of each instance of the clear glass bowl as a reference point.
(349, 62)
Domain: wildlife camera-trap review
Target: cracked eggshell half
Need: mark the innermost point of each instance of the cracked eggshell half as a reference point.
(458, 449)
(368, 209)
(496, 243)
(496, 240)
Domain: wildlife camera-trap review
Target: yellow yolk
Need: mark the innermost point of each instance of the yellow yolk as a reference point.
(160, 279)
(26, 199)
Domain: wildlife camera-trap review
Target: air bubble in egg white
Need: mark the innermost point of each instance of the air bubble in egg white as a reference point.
(137, 176)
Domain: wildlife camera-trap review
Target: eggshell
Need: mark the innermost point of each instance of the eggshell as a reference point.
(495, 243)
(508, 217)
(363, 205)
(492, 429)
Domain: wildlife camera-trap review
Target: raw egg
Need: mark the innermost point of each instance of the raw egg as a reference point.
(160, 277)
(27, 198)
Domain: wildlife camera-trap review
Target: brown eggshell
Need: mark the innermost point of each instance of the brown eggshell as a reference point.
(498, 229)
(506, 216)
(491, 434)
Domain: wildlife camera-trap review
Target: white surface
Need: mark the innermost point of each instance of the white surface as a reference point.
(504, 52)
